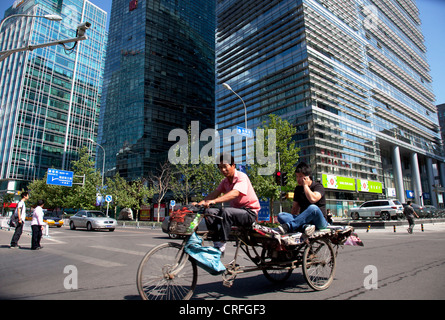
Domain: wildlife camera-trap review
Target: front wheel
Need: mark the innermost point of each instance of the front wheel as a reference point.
(167, 273)
(319, 264)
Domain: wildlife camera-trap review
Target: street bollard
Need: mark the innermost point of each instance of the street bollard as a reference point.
(369, 227)
(394, 227)
(421, 227)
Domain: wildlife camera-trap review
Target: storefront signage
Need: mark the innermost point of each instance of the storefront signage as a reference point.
(345, 183)
(369, 186)
(337, 182)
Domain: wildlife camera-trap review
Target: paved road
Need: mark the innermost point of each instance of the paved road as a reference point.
(403, 266)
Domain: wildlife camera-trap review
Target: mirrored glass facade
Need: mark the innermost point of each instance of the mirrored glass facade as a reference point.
(49, 97)
(350, 75)
(159, 76)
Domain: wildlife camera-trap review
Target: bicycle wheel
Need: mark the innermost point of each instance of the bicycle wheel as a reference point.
(167, 273)
(319, 264)
(274, 273)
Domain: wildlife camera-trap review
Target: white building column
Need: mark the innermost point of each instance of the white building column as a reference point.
(398, 176)
(415, 174)
(430, 173)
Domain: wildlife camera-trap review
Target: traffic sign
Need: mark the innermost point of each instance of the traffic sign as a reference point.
(172, 203)
(108, 198)
(60, 177)
(244, 132)
(264, 213)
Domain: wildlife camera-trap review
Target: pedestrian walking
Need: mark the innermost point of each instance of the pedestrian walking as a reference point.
(409, 213)
(37, 226)
(20, 212)
(329, 216)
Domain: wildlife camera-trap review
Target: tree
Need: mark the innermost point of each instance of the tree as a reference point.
(119, 188)
(6, 198)
(53, 195)
(81, 195)
(141, 194)
(161, 182)
(84, 196)
(265, 185)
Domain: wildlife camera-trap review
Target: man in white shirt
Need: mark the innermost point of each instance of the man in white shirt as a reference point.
(37, 226)
(20, 212)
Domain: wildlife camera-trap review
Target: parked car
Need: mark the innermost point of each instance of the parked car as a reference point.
(202, 227)
(384, 209)
(420, 210)
(92, 219)
(431, 211)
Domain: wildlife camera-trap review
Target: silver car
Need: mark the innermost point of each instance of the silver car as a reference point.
(92, 219)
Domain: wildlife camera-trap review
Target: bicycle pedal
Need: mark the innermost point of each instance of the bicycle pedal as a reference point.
(228, 283)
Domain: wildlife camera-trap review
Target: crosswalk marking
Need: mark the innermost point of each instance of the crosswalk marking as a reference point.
(91, 260)
(138, 253)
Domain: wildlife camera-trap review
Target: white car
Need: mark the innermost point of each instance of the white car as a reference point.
(384, 209)
(91, 220)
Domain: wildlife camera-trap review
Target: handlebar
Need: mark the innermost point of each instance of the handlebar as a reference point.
(206, 214)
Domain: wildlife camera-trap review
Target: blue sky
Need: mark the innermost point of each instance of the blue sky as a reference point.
(432, 14)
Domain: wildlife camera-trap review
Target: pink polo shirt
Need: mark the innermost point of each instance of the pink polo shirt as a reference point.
(247, 197)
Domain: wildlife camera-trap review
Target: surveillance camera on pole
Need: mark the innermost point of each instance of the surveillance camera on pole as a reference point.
(81, 28)
(80, 35)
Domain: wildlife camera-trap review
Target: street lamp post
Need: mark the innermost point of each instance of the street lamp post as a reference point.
(51, 17)
(103, 162)
(225, 85)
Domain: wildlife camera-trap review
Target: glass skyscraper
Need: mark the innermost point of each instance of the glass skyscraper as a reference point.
(352, 77)
(49, 97)
(159, 76)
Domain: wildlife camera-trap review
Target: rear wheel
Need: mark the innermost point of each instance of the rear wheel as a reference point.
(275, 273)
(72, 226)
(355, 216)
(319, 264)
(385, 216)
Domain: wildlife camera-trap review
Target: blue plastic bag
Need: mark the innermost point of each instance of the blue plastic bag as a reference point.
(208, 258)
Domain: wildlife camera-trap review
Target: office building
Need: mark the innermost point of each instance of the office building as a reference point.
(159, 76)
(50, 96)
(352, 77)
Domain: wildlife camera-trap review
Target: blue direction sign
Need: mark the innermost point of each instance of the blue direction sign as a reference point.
(108, 198)
(264, 214)
(244, 132)
(60, 177)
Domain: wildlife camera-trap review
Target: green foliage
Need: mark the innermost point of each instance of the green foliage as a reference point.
(87, 183)
(265, 185)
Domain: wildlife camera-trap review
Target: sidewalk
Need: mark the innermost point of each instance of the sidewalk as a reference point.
(381, 224)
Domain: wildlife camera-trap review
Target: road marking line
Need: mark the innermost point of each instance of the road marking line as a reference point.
(138, 253)
(91, 260)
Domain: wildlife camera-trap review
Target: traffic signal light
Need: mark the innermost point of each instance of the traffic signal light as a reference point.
(283, 195)
(278, 178)
(283, 178)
